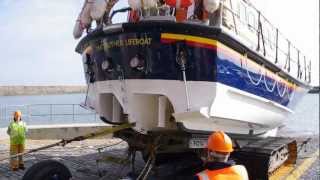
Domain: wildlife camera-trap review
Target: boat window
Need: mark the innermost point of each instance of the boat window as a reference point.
(242, 12)
(270, 35)
(272, 39)
(252, 21)
(228, 15)
(282, 51)
(266, 35)
(294, 61)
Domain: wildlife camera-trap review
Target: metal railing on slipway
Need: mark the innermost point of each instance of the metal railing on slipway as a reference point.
(49, 114)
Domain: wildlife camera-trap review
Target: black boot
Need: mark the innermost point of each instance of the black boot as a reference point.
(14, 169)
(21, 166)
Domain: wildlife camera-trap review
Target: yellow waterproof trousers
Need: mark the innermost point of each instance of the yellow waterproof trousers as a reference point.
(16, 162)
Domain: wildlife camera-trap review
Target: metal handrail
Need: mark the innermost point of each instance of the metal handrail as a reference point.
(269, 42)
(276, 52)
(71, 113)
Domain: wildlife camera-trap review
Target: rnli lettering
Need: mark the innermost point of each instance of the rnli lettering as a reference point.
(128, 42)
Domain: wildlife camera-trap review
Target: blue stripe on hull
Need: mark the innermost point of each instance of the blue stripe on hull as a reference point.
(203, 64)
(234, 75)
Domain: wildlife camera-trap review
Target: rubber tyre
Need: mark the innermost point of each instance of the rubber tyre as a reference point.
(45, 170)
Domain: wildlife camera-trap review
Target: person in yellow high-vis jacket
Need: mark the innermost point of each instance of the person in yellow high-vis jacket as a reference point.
(17, 132)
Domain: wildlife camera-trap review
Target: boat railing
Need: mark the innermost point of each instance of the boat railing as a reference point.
(49, 114)
(257, 33)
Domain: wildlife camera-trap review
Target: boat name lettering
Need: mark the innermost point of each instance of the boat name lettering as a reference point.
(128, 42)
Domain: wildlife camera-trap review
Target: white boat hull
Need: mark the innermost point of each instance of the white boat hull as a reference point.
(214, 106)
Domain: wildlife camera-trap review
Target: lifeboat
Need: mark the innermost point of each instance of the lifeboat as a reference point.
(173, 72)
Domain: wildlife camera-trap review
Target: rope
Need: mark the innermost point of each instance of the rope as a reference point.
(151, 161)
(107, 146)
(97, 147)
(284, 90)
(248, 74)
(64, 142)
(145, 169)
(290, 97)
(148, 171)
(265, 83)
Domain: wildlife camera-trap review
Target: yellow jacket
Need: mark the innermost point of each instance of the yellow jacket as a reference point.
(17, 132)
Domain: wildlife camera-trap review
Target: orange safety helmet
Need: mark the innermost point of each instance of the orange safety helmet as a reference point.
(17, 114)
(220, 142)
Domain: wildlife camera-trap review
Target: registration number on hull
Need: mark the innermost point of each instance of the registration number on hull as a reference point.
(198, 143)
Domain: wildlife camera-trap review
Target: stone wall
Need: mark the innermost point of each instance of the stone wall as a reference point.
(40, 90)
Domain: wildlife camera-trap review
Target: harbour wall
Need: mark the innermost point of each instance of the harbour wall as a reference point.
(40, 90)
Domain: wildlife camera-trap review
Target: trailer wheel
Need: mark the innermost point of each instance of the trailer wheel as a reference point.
(47, 170)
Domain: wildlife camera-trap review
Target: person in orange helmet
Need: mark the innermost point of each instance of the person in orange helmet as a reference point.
(17, 132)
(218, 166)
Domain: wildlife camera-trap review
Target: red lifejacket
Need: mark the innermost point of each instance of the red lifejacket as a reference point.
(133, 16)
(183, 3)
(236, 172)
(181, 14)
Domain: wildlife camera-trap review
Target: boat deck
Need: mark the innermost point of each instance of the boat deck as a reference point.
(80, 158)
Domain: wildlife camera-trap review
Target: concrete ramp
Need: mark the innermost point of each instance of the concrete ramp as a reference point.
(3, 134)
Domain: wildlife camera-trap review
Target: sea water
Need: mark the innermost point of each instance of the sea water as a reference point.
(304, 120)
(46, 109)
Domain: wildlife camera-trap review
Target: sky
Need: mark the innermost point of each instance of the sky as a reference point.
(37, 46)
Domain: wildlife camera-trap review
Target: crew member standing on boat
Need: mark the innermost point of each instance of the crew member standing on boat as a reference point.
(17, 132)
(218, 167)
